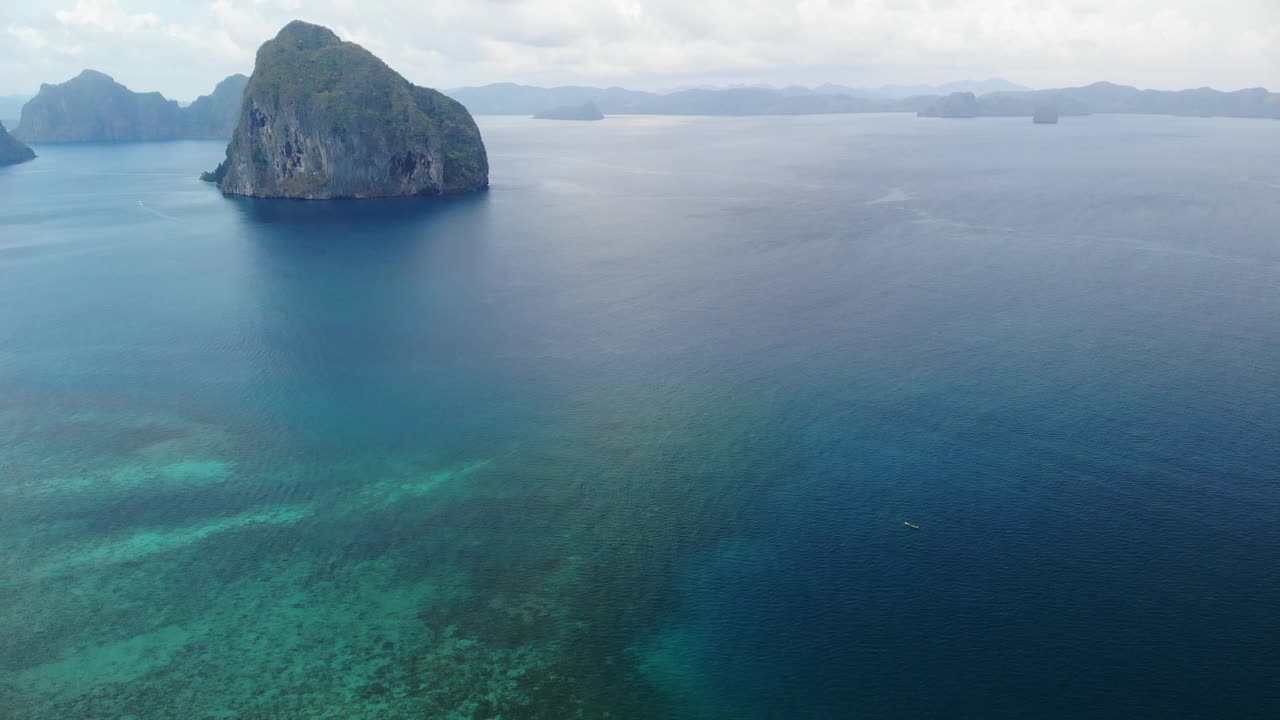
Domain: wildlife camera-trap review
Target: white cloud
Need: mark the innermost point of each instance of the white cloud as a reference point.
(218, 42)
(30, 38)
(33, 40)
(243, 20)
(106, 16)
(182, 48)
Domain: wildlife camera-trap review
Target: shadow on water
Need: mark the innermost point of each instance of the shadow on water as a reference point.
(365, 212)
(373, 318)
(360, 233)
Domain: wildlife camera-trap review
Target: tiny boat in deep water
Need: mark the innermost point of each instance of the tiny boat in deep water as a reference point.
(913, 526)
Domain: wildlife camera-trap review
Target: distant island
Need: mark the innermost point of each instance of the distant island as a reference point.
(93, 107)
(214, 116)
(512, 99)
(11, 108)
(902, 92)
(955, 105)
(12, 150)
(323, 118)
(1023, 104)
(585, 111)
(1109, 98)
(1045, 115)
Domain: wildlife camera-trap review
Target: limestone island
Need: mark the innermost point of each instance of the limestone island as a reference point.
(1045, 115)
(214, 116)
(92, 107)
(955, 105)
(12, 150)
(585, 111)
(323, 119)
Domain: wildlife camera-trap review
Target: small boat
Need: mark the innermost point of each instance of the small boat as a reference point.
(911, 525)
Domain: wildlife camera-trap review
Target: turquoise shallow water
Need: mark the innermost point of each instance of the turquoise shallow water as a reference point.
(635, 433)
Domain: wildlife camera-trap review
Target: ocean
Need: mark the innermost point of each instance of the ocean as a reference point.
(638, 432)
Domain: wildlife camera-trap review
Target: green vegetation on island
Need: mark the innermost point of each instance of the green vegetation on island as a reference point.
(323, 118)
(215, 176)
(12, 150)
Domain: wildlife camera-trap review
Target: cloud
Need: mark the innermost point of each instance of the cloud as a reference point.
(183, 47)
(30, 38)
(106, 16)
(216, 42)
(33, 40)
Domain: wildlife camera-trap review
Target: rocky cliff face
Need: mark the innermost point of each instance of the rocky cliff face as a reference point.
(215, 115)
(92, 107)
(325, 119)
(12, 150)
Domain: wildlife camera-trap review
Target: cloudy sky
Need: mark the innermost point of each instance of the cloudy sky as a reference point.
(183, 47)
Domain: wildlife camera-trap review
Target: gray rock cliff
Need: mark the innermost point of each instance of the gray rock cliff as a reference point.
(323, 118)
(93, 107)
(215, 115)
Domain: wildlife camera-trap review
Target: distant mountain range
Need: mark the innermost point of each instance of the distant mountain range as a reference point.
(884, 92)
(586, 111)
(901, 92)
(512, 99)
(94, 107)
(215, 115)
(1104, 97)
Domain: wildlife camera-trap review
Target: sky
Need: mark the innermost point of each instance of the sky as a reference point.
(182, 48)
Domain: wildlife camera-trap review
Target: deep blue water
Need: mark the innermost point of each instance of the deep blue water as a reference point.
(636, 432)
